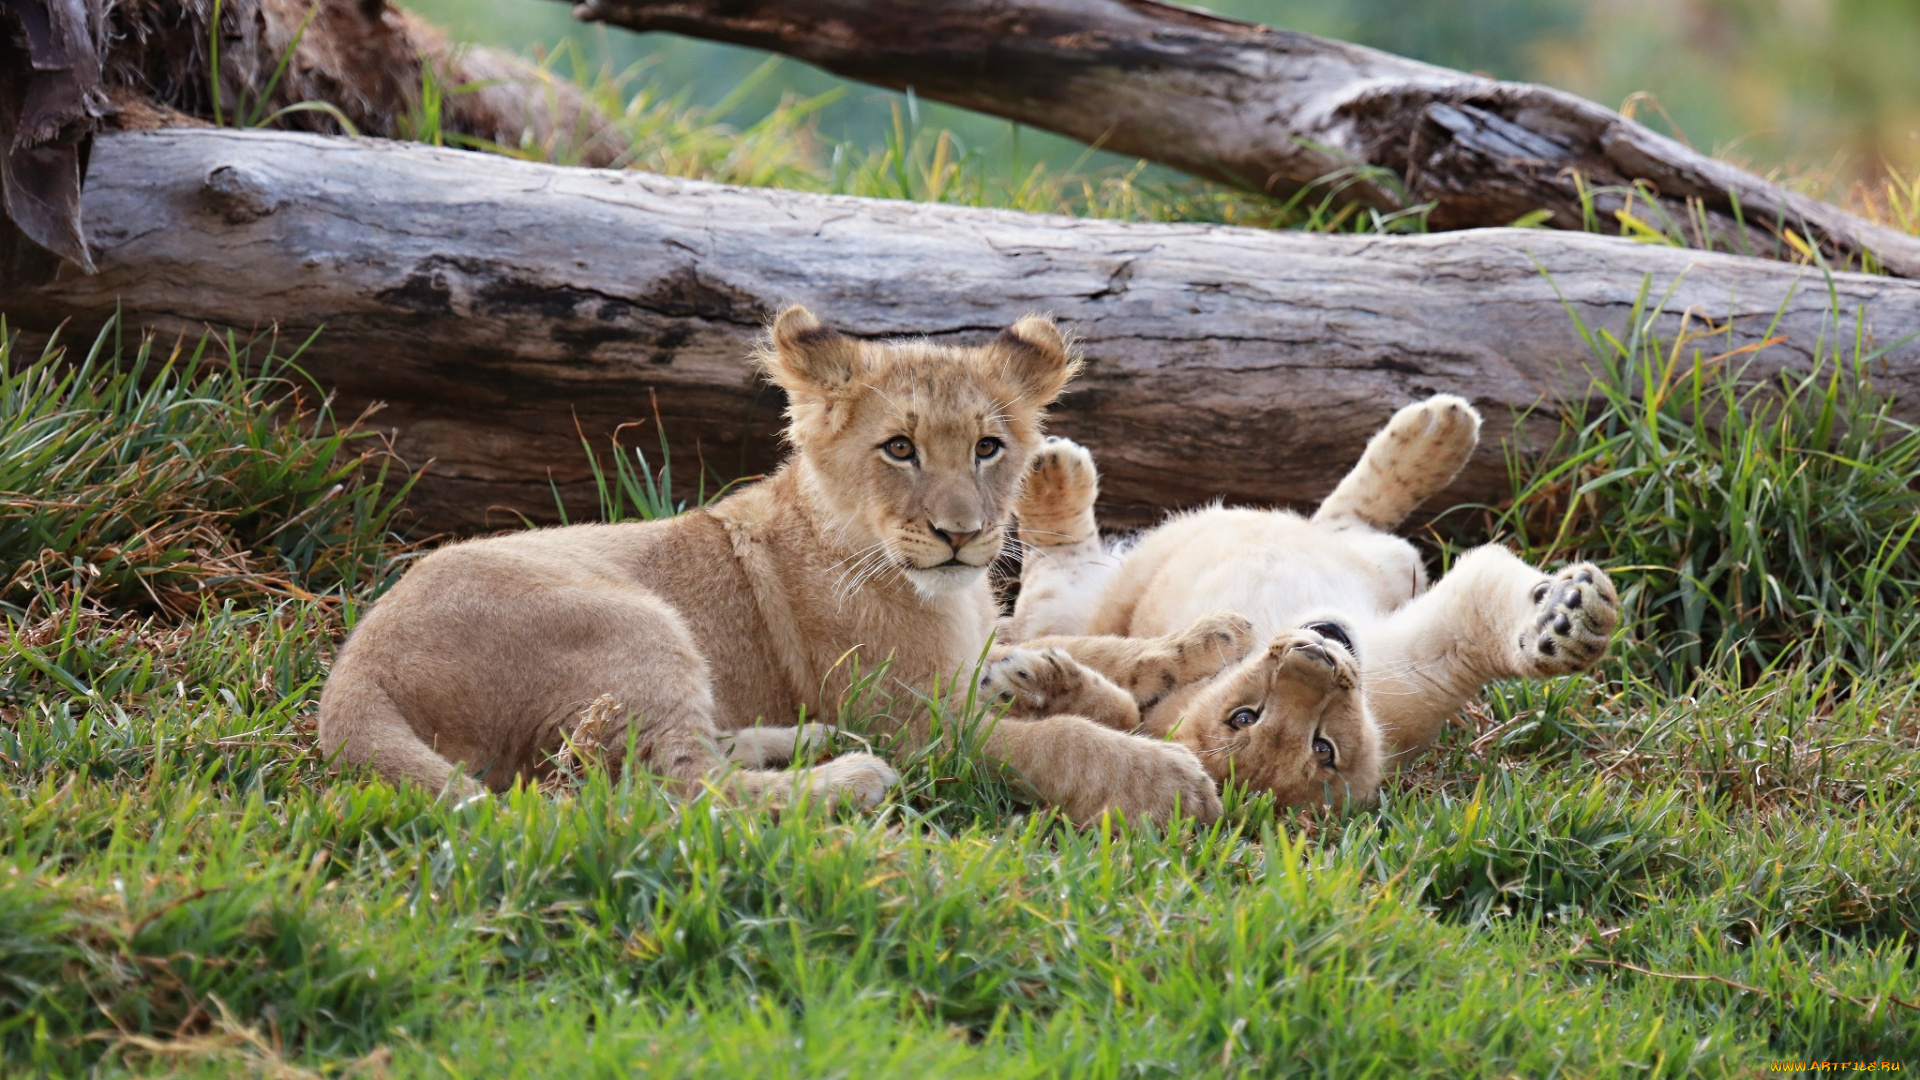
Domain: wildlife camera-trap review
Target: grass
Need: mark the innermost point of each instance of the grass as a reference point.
(1701, 861)
(168, 477)
(784, 148)
(1754, 521)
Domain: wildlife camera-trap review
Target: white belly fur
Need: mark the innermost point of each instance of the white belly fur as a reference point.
(1273, 566)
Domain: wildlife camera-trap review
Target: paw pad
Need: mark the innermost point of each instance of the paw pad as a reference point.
(1024, 676)
(1575, 615)
(1056, 505)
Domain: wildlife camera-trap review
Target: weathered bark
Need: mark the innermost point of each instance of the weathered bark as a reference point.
(50, 101)
(136, 64)
(1278, 111)
(506, 309)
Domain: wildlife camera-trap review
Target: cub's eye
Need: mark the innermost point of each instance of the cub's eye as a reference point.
(1333, 631)
(1242, 718)
(899, 448)
(1323, 750)
(986, 449)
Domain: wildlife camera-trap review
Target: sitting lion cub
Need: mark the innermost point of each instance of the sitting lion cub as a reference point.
(876, 534)
(1363, 660)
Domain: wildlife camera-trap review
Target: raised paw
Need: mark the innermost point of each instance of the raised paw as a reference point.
(1032, 680)
(1056, 505)
(1437, 434)
(1419, 451)
(1573, 617)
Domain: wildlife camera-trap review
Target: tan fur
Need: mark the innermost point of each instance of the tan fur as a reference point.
(1185, 687)
(1419, 452)
(1064, 566)
(471, 671)
(1421, 653)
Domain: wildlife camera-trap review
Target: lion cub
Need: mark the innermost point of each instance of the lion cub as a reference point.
(1363, 658)
(876, 534)
(1288, 718)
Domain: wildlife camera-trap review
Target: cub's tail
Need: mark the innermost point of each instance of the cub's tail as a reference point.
(1406, 463)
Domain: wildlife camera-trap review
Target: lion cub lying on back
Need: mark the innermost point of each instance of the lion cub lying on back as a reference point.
(1362, 661)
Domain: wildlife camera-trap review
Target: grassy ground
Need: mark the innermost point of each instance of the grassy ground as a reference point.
(1702, 860)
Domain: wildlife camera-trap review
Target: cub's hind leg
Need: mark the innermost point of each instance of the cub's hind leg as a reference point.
(662, 695)
(1419, 451)
(361, 725)
(1065, 567)
(1492, 617)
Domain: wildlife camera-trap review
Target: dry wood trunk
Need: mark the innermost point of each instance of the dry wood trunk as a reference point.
(1278, 111)
(504, 309)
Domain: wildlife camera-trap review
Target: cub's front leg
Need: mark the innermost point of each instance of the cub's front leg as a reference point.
(1087, 770)
(764, 747)
(1566, 624)
(1115, 680)
(1064, 565)
(1492, 617)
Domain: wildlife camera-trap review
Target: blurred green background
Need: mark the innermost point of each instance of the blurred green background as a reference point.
(1823, 92)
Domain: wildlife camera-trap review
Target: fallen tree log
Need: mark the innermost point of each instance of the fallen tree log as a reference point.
(504, 310)
(1278, 111)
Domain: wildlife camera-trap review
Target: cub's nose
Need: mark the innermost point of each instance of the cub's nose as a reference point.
(1315, 651)
(955, 538)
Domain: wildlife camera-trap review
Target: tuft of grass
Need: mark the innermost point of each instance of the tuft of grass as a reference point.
(634, 490)
(168, 478)
(1750, 521)
(256, 114)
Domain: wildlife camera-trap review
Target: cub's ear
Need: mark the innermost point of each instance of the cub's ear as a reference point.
(806, 358)
(1035, 358)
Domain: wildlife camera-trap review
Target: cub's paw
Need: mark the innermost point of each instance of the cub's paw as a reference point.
(760, 747)
(1573, 616)
(862, 778)
(1056, 505)
(1439, 433)
(1160, 778)
(1308, 661)
(1199, 651)
(1206, 645)
(1087, 771)
(1033, 680)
